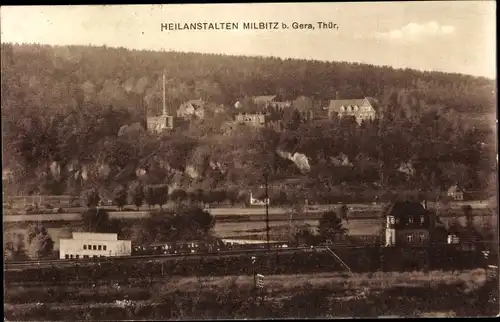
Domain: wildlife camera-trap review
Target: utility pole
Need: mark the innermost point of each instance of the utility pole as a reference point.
(266, 176)
(164, 105)
(380, 153)
(436, 160)
(254, 291)
(254, 260)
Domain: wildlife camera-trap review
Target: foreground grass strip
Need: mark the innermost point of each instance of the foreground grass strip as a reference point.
(276, 285)
(236, 302)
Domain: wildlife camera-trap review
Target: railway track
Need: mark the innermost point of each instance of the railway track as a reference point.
(155, 258)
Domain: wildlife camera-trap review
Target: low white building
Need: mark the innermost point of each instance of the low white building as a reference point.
(456, 193)
(86, 245)
(258, 202)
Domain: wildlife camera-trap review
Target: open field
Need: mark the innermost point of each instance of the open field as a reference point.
(240, 215)
(458, 293)
(356, 227)
(283, 283)
(369, 209)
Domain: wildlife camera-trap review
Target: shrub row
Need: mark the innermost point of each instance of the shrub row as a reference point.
(71, 295)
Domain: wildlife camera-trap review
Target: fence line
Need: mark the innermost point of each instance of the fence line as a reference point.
(42, 199)
(341, 261)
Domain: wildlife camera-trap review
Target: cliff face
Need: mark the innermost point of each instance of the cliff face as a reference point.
(300, 160)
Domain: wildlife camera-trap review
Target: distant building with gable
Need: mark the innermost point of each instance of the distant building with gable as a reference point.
(361, 109)
(192, 108)
(253, 119)
(455, 193)
(271, 101)
(258, 202)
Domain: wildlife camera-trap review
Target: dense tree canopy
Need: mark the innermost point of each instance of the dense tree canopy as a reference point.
(68, 75)
(73, 118)
(330, 226)
(186, 223)
(96, 220)
(35, 243)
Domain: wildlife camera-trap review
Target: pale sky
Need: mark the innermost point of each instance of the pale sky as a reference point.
(451, 36)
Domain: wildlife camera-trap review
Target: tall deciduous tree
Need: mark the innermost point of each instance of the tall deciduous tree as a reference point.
(150, 196)
(331, 227)
(187, 223)
(96, 220)
(92, 198)
(136, 193)
(38, 241)
(120, 197)
(14, 246)
(344, 212)
(469, 219)
(161, 193)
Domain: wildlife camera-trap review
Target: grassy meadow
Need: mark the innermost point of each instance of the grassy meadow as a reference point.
(410, 294)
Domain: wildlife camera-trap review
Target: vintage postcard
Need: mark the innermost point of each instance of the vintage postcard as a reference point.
(249, 161)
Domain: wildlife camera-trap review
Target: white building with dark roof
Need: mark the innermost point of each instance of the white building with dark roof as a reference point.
(87, 245)
(361, 109)
(455, 193)
(253, 119)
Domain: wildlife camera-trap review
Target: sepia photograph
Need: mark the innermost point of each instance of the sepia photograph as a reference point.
(250, 161)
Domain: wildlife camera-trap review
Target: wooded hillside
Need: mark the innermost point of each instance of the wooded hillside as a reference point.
(61, 76)
(64, 110)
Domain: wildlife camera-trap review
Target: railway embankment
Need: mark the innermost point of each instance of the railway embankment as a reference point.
(346, 259)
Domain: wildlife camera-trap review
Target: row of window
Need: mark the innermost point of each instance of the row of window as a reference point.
(409, 221)
(94, 247)
(412, 238)
(250, 119)
(348, 108)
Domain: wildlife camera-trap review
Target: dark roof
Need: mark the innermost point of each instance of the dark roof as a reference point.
(456, 228)
(455, 188)
(336, 104)
(263, 99)
(405, 208)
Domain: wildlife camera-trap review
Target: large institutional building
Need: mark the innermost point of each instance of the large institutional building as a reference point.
(87, 245)
(360, 109)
